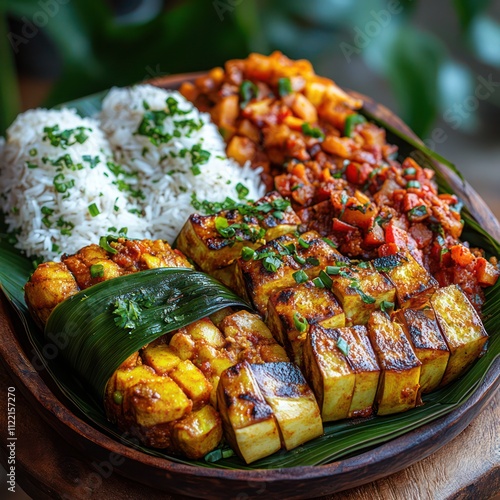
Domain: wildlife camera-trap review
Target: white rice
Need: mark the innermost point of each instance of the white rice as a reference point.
(148, 188)
(165, 177)
(47, 189)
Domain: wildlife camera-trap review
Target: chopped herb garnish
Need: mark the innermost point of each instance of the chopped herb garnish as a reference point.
(60, 185)
(46, 210)
(300, 276)
(303, 243)
(417, 212)
(413, 184)
(318, 283)
(409, 171)
(248, 91)
(128, 313)
(343, 346)
(218, 454)
(104, 243)
(328, 282)
(33, 152)
(329, 242)
(350, 123)
(297, 186)
(312, 131)
(65, 138)
(97, 271)
(271, 263)
(332, 270)
(55, 248)
(284, 86)
(247, 253)
(242, 191)
(312, 261)
(386, 306)
(300, 322)
(93, 161)
(94, 210)
(299, 259)
(367, 299)
(31, 165)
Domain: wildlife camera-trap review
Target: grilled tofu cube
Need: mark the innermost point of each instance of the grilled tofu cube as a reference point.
(289, 307)
(198, 433)
(422, 330)
(286, 223)
(201, 241)
(360, 291)
(248, 337)
(414, 285)
(461, 328)
(192, 381)
(329, 373)
(363, 362)
(292, 401)
(257, 278)
(399, 386)
(227, 276)
(249, 423)
(161, 358)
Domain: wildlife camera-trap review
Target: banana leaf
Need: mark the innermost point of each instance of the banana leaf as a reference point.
(341, 439)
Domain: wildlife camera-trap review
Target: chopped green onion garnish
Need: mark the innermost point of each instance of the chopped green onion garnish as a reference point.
(312, 131)
(313, 261)
(97, 271)
(299, 259)
(300, 322)
(413, 184)
(343, 346)
(410, 171)
(330, 242)
(247, 253)
(386, 306)
(271, 263)
(93, 210)
(350, 123)
(242, 191)
(103, 243)
(326, 279)
(300, 276)
(248, 91)
(284, 86)
(303, 243)
(33, 152)
(318, 283)
(417, 212)
(332, 270)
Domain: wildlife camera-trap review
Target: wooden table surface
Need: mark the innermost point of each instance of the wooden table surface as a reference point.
(47, 467)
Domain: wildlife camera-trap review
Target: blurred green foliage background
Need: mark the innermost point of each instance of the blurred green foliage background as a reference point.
(422, 58)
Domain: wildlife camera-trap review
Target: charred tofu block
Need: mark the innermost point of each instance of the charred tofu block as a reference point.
(211, 243)
(249, 339)
(273, 266)
(399, 386)
(293, 310)
(215, 241)
(276, 216)
(360, 290)
(329, 373)
(292, 401)
(461, 328)
(248, 420)
(422, 330)
(414, 285)
(362, 359)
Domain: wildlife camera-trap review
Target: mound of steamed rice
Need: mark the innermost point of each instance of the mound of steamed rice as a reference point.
(58, 192)
(174, 151)
(66, 180)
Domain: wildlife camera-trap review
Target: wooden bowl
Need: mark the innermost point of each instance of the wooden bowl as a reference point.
(290, 483)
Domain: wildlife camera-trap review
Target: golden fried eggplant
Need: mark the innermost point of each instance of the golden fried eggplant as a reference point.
(414, 284)
(274, 265)
(360, 290)
(399, 386)
(293, 310)
(422, 330)
(461, 327)
(215, 241)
